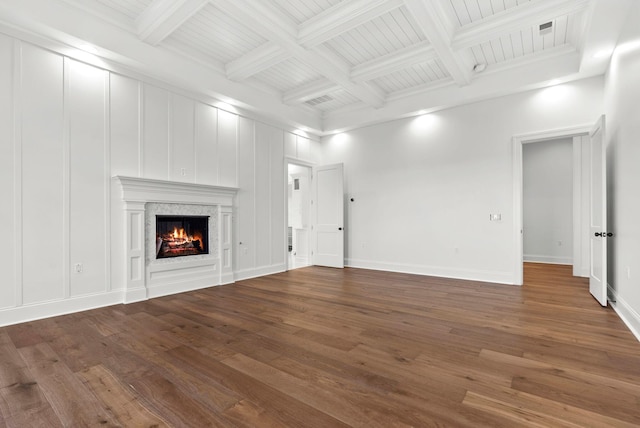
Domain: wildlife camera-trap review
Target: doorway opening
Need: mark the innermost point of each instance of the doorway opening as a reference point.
(547, 190)
(551, 209)
(298, 216)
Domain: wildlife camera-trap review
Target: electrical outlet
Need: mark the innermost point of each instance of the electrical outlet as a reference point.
(495, 217)
(183, 171)
(78, 267)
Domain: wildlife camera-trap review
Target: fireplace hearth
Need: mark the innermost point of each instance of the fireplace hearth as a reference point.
(181, 235)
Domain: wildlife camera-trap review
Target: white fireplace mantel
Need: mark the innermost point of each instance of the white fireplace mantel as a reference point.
(144, 278)
(146, 190)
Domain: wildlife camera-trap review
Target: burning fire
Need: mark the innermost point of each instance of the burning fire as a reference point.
(181, 235)
(178, 242)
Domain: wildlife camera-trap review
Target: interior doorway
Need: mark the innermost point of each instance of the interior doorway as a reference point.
(298, 216)
(577, 253)
(547, 190)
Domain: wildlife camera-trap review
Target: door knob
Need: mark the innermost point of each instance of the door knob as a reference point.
(339, 228)
(599, 234)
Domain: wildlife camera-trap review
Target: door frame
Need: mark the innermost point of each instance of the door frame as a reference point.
(518, 211)
(291, 161)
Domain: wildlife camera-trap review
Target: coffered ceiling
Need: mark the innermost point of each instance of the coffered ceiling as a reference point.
(328, 65)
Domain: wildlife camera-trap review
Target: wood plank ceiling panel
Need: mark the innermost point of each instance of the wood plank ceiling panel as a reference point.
(130, 8)
(386, 34)
(416, 75)
(526, 42)
(470, 11)
(288, 75)
(300, 11)
(214, 34)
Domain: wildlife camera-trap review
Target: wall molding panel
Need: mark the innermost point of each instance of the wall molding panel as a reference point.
(95, 124)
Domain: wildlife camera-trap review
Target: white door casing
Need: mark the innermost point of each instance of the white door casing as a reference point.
(328, 215)
(598, 215)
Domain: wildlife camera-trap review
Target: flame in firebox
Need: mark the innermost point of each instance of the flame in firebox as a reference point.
(181, 234)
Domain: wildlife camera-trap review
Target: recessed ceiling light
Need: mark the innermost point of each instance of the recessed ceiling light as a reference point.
(480, 67)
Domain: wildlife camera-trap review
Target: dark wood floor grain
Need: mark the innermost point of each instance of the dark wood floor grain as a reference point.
(319, 347)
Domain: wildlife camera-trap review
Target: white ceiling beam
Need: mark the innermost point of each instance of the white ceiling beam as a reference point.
(307, 92)
(259, 59)
(395, 61)
(433, 25)
(278, 29)
(525, 15)
(484, 86)
(341, 18)
(338, 71)
(163, 17)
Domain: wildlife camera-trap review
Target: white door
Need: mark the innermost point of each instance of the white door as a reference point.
(598, 222)
(327, 206)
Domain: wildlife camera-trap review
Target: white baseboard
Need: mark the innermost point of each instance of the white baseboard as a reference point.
(135, 295)
(261, 271)
(59, 307)
(627, 314)
(554, 260)
(466, 274)
(227, 278)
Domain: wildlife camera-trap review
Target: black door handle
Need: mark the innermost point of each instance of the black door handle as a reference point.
(599, 234)
(339, 228)
(604, 234)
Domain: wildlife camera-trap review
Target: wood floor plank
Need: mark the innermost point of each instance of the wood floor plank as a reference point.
(74, 404)
(321, 347)
(22, 402)
(119, 398)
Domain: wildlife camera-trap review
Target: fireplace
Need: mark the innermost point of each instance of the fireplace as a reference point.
(181, 235)
(194, 220)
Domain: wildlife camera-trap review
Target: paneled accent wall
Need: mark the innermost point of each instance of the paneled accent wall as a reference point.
(67, 127)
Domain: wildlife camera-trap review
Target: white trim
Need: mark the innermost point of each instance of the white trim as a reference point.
(38, 311)
(438, 271)
(554, 260)
(518, 221)
(260, 271)
(577, 205)
(625, 311)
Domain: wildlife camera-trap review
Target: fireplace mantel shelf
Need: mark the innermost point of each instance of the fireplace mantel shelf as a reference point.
(136, 189)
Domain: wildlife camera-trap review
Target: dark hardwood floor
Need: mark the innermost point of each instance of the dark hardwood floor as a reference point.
(319, 347)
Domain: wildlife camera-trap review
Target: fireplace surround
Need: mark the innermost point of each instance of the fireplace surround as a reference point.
(141, 203)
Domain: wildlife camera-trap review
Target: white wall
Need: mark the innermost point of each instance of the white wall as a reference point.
(622, 92)
(547, 174)
(424, 187)
(66, 128)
